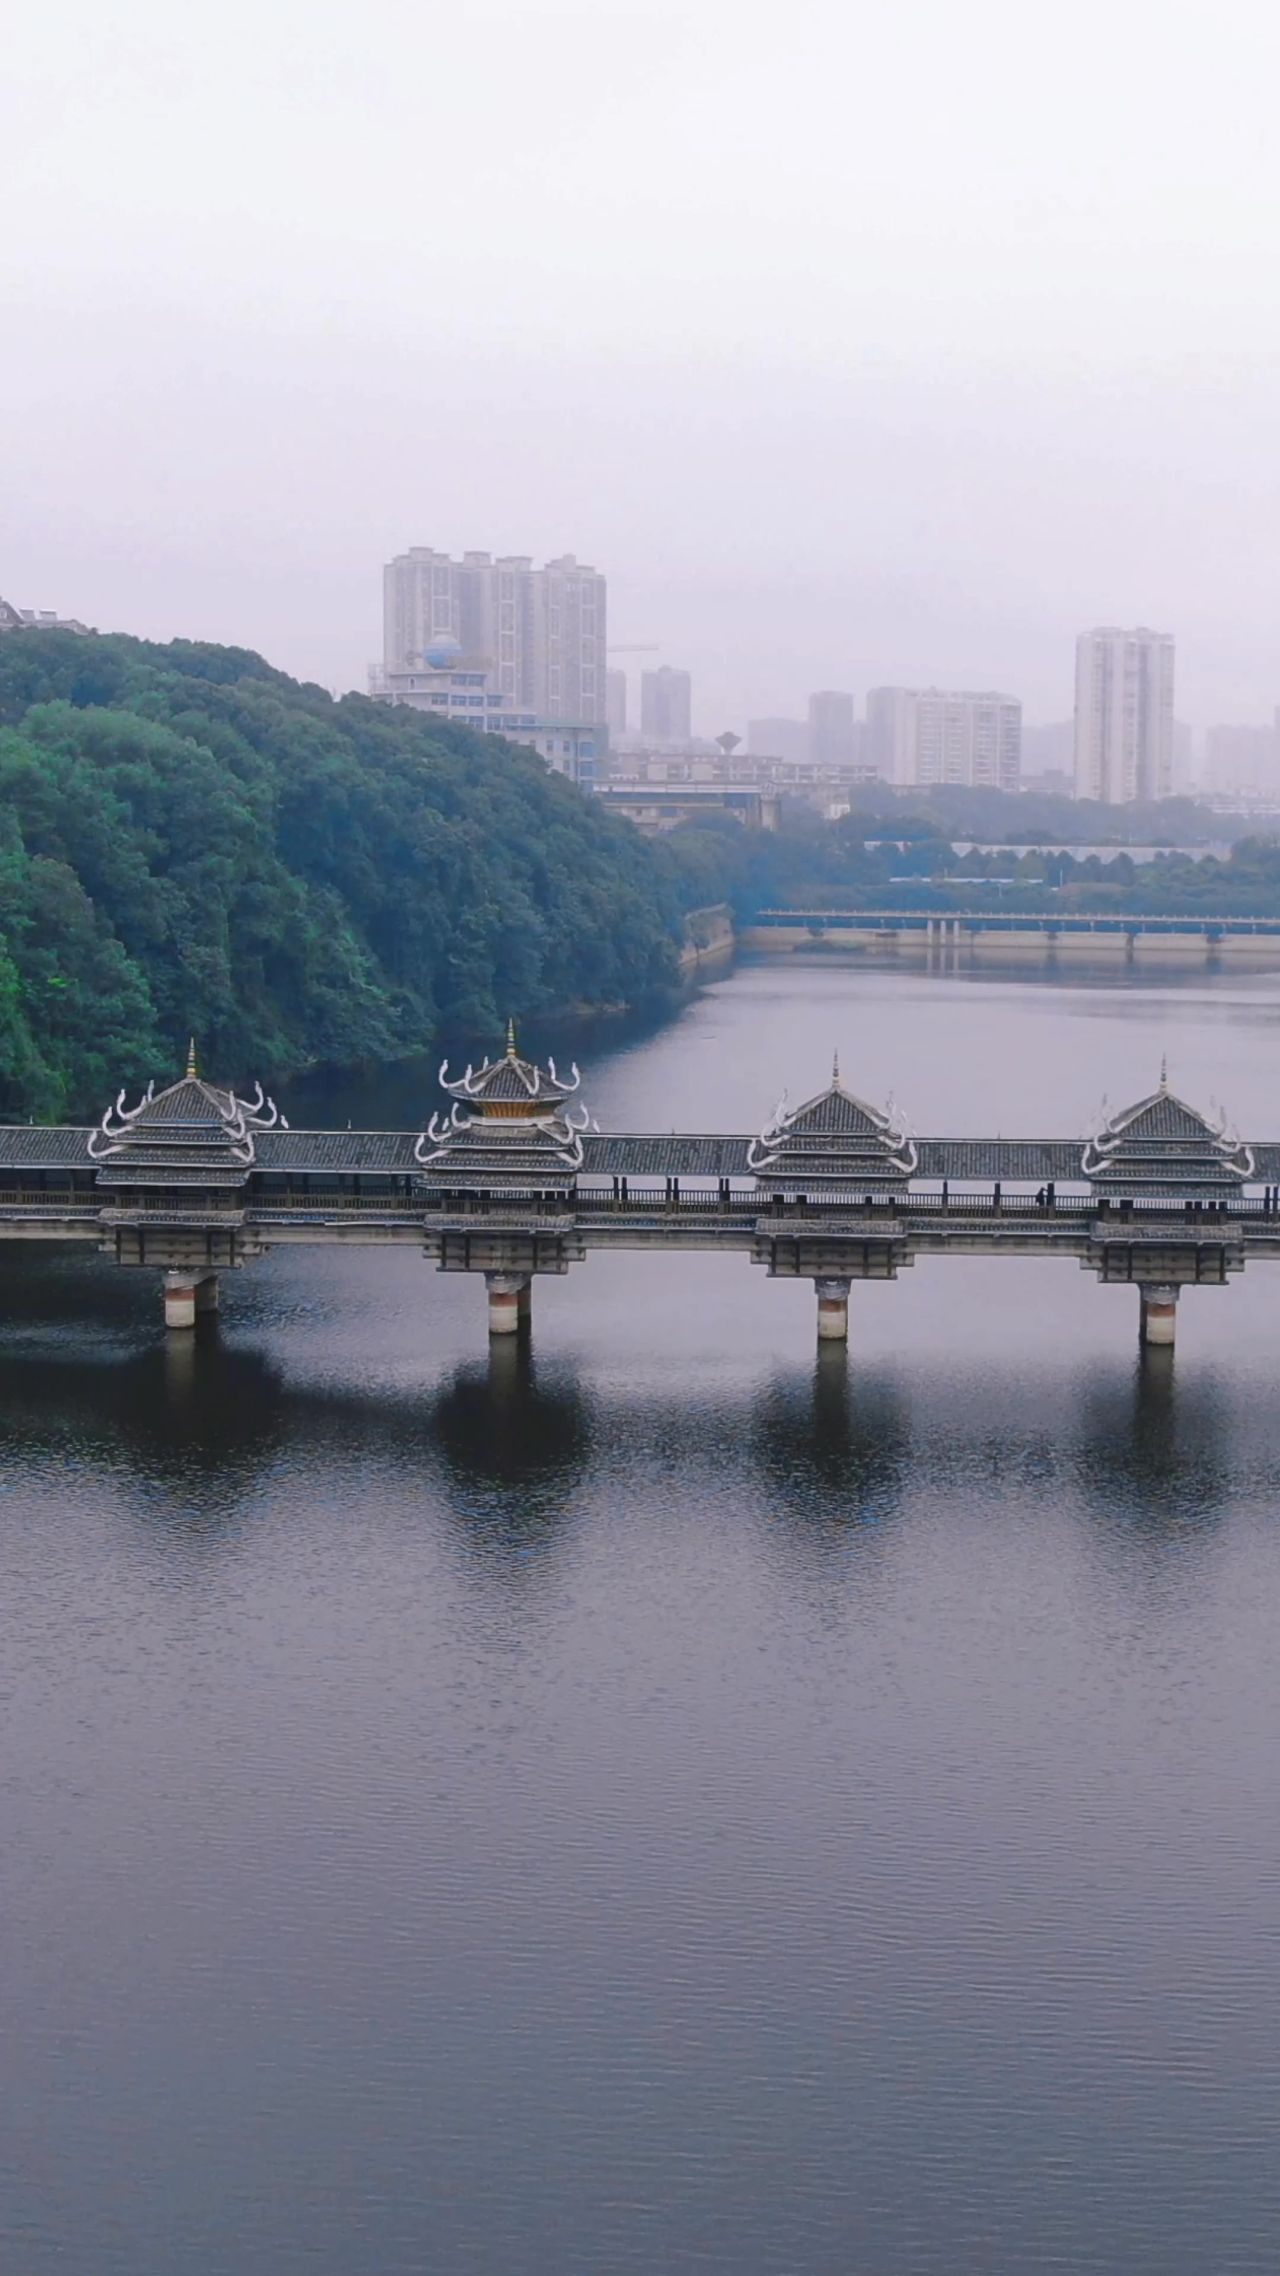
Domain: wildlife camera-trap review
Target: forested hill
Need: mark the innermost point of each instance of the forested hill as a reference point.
(191, 842)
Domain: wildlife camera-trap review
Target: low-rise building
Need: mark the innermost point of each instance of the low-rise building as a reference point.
(37, 620)
(462, 689)
(656, 806)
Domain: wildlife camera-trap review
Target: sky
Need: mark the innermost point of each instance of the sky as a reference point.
(855, 343)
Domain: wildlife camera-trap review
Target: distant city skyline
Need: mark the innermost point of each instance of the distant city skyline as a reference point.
(1055, 713)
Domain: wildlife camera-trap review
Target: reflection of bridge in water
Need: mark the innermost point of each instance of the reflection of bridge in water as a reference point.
(507, 1449)
(513, 1180)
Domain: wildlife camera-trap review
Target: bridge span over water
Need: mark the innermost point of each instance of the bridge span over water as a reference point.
(511, 1179)
(1128, 932)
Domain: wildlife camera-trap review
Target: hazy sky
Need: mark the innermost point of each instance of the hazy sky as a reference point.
(855, 342)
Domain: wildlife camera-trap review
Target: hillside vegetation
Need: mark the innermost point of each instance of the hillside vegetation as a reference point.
(191, 842)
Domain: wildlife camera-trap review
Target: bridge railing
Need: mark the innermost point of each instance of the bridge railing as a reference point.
(643, 1198)
(43, 1203)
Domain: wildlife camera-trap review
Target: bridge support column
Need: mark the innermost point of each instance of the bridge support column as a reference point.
(505, 1292)
(1158, 1312)
(833, 1310)
(524, 1306)
(185, 1294)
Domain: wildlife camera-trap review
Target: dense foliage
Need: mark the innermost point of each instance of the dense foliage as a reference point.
(905, 858)
(1033, 817)
(192, 842)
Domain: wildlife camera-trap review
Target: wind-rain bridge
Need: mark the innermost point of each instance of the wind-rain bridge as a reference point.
(513, 1179)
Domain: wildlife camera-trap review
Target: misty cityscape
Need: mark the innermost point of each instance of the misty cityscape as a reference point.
(639, 1154)
(510, 649)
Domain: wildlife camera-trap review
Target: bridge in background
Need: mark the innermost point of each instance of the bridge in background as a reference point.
(955, 927)
(512, 1179)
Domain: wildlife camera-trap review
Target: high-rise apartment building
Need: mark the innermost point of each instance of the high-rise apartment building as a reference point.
(831, 730)
(1243, 762)
(937, 735)
(540, 633)
(778, 739)
(666, 705)
(615, 701)
(1124, 714)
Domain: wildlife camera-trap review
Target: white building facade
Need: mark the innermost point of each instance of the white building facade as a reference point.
(944, 735)
(1124, 714)
(460, 690)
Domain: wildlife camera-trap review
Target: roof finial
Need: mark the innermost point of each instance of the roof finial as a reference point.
(511, 1039)
(192, 1069)
(835, 1066)
(1164, 1070)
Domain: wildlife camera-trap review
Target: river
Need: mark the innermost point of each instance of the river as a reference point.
(671, 1802)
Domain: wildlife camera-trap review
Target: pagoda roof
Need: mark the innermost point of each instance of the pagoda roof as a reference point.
(509, 1126)
(192, 1133)
(511, 1081)
(1161, 1141)
(832, 1139)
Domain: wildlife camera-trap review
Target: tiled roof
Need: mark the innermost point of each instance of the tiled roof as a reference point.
(606, 1154)
(337, 1152)
(30, 1146)
(1163, 1142)
(511, 1081)
(641, 1155)
(1029, 1161)
(832, 1139)
(190, 1134)
(192, 1103)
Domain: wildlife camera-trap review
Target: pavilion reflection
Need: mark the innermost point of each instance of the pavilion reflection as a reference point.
(508, 1449)
(187, 1401)
(834, 1448)
(1154, 1456)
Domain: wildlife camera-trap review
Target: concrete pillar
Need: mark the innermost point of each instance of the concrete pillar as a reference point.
(1158, 1312)
(833, 1310)
(504, 1301)
(207, 1293)
(179, 1300)
(524, 1306)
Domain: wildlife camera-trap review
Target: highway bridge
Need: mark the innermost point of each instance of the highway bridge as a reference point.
(952, 927)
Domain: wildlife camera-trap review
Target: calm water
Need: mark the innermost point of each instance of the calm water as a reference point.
(665, 1803)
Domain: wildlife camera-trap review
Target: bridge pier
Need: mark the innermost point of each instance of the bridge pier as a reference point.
(185, 1294)
(1158, 1312)
(510, 1302)
(833, 1309)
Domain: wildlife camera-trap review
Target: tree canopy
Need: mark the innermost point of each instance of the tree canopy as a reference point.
(192, 842)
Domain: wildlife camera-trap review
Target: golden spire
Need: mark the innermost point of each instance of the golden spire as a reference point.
(511, 1039)
(192, 1069)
